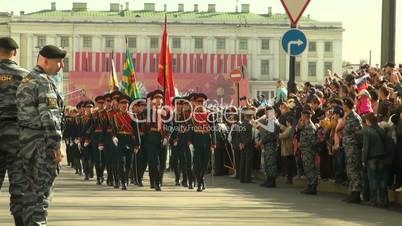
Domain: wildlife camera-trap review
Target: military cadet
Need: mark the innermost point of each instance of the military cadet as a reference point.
(350, 141)
(111, 146)
(107, 140)
(269, 138)
(98, 146)
(308, 150)
(140, 160)
(10, 77)
(39, 117)
(124, 136)
(247, 145)
(155, 140)
(86, 141)
(177, 162)
(202, 139)
(75, 136)
(68, 122)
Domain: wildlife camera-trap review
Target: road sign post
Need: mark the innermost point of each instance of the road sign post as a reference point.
(236, 76)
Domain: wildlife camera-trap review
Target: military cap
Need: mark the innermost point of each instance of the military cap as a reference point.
(89, 103)
(115, 94)
(124, 99)
(80, 104)
(201, 95)
(389, 64)
(157, 93)
(140, 101)
(107, 96)
(191, 96)
(52, 52)
(100, 98)
(8, 43)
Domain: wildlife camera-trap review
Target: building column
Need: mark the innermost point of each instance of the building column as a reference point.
(320, 62)
(275, 61)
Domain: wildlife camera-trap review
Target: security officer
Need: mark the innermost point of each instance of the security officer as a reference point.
(39, 118)
(10, 77)
(350, 141)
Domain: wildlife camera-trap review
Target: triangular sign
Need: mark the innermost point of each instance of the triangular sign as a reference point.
(295, 9)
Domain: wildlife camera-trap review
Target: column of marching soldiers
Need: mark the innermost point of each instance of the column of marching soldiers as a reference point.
(120, 137)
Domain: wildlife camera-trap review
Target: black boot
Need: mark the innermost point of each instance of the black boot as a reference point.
(177, 182)
(123, 186)
(18, 220)
(306, 190)
(140, 183)
(354, 197)
(199, 189)
(98, 181)
(271, 183)
(157, 187)
(265, 182)
(312, 191)
(190, 185)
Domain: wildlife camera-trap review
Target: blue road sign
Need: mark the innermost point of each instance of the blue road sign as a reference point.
(294, 42)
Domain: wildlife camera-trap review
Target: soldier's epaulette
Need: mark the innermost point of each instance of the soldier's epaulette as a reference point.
(26, 79)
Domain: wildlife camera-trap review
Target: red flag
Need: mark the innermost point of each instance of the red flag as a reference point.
(165, 76)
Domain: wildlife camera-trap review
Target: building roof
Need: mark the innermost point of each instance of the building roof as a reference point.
(160, 15)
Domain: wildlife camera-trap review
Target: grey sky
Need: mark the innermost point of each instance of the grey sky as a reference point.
(360, 18)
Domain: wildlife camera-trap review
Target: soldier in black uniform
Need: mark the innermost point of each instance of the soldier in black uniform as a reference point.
(140, 160)
(77, 126)
(86, 141)
(10, 77)
(97, 136)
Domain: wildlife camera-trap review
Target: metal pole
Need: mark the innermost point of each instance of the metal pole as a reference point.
(388, 31)
(292, 71)
(238, 94)
(370, 58)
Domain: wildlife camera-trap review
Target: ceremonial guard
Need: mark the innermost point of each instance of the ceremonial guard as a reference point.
(86, 143)
(98, 137)
(139, 162)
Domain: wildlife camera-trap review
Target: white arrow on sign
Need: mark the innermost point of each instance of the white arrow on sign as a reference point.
(297, 42)
(295, 9)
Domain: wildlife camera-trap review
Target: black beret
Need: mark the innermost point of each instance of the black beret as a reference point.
(201, 95)
(390, 64)
(8, 43)
(89, 103)
(115, 94)
(100, 98)
(52, 52)
(157, 93)
(124, 98)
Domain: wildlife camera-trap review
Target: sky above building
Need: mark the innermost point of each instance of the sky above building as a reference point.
(361, 18)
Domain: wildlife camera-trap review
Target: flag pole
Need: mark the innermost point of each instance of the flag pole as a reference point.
(164, 77)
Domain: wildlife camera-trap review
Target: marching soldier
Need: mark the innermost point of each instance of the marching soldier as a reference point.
(107, 140)
(140, 161)
(98, 146)
(86, 141)
(247, 145)
(111, 144)
(202, 140)
(125, 138)
(75, 132)
(155, 140)
(269, 138)
(39, 117)
(10, 77)
(307, 144)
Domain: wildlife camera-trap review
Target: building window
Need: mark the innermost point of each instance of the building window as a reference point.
(66, 67)
(312, 47)
(199, 43)
(312, 69)
(64, 41)
(41, 41)
(220, 43)
(132, 42)
(243, 44)
(297, 70)
(265, 44)
(328, 47)
(327, 66)
(87, 42)
(174, 64)
(264, 67)
(154, 43)
(176, 43)
(109, 42)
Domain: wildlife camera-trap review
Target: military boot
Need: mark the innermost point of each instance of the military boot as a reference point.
(354, 197)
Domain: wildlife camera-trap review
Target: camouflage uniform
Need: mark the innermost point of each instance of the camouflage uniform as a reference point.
(39, 117)
(307, 143)
(351, 131)
(270, 142)
(10, 77)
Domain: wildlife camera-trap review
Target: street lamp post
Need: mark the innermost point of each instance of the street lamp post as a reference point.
(388, 31)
